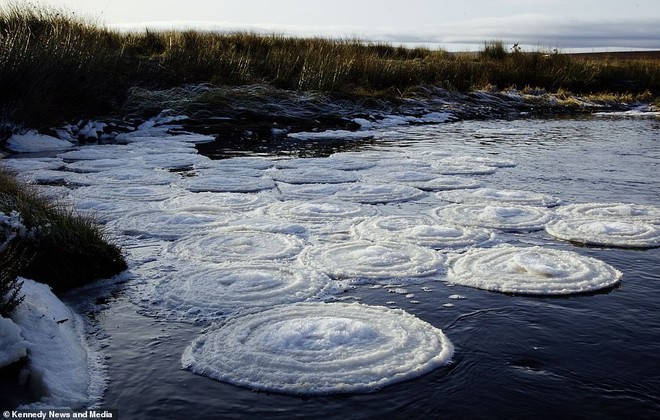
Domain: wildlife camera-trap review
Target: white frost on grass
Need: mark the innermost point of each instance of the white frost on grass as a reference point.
(62, 369)
(34, 142)
(482, 195)
(511, 218)
(420, 230)
(319, 349)
(531, 271)
(623, 233)
(228, 245)
(373, 262)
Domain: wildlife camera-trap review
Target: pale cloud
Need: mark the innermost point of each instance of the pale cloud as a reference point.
(535, 30)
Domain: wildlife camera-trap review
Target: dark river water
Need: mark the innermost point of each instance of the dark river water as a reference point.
(584, 356)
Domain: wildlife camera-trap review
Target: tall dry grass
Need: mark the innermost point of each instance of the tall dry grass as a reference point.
(54, 66)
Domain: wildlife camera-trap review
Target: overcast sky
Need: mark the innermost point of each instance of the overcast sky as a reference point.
(564, 24)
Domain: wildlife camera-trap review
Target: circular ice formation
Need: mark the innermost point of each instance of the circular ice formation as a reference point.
(173, 160)
(265, 224)
(94, 152)
(348, 163)
(99, 165)
(216, 170)
(379, 193)
(247, 162)
(449, 167)
(481, 160)
(402, 176)
(501, 196)
(319, 349)
(31, 164)
(531, 271)
(104, 211)
(419, 230)
(442, 183)
(618, 233)
(307, 191)
(318, 212)
(511, 218)
(135, 176)
(138, 193)
(208, 202)
(230, 245)
(335, 162)
(313, 176)
(640, 212)
(164, 224)
(366, 260)
(227, 183)
(222, 288)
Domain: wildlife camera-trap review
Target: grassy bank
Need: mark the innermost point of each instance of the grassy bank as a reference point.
(47, 242)
(55, 67)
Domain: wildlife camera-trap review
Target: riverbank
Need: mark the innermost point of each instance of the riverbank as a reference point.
(57, 68)
(49, 243)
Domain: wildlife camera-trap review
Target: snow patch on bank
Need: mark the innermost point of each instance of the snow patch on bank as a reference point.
(12, 345)
(34, 142)
(62, 368)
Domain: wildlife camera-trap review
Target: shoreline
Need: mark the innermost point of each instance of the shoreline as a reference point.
(58, 68)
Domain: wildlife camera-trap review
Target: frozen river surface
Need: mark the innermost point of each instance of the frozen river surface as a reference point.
(245, 273)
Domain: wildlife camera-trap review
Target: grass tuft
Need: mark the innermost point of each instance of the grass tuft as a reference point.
(58, 247)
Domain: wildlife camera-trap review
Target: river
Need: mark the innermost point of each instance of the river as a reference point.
(592, 355)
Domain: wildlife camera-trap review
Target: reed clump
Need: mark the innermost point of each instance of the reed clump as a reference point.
(45, 241)
(55, 66)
